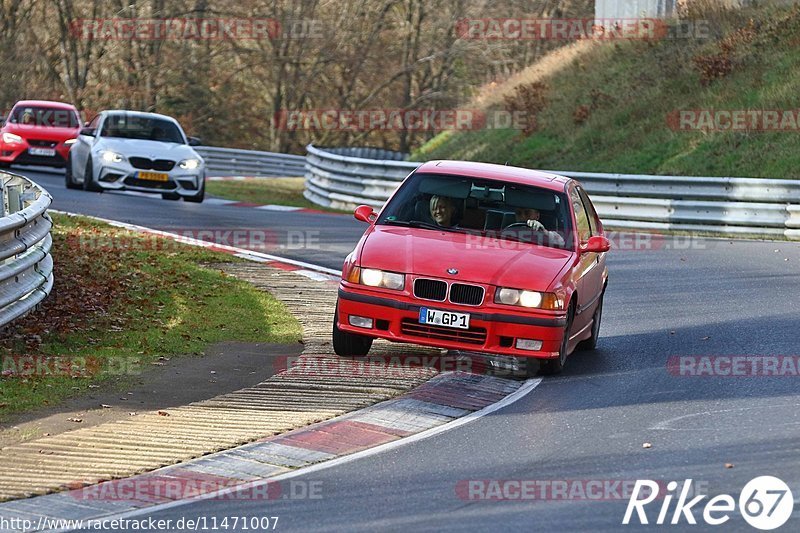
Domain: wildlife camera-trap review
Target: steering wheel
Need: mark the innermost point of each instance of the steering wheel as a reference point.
(521, 225)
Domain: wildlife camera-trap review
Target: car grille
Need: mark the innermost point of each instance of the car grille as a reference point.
(472, 335)
(466, 294)
(144, 163)
(430, 289)
(42, 144)
(136, 182)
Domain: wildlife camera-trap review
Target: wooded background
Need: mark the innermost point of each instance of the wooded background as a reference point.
(361, 54)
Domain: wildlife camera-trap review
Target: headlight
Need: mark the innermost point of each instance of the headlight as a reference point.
(539, 300)
(10, 138)
(69, 142)
(111, 157)
(377, 278)
(189, 164)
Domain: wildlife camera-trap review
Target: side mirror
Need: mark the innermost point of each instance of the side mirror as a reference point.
(195, 141)
(365, 213)
(89, 132)
(597, 244)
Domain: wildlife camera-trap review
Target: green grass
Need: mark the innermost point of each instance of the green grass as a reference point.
(265, 191)
(121, 301)
(640, 84)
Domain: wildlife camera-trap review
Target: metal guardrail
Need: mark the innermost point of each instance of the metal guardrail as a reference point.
(343, 178)
(232, 162)
(26, 266)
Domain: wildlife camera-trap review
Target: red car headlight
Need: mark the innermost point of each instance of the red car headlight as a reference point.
(373, 277)
(525, 298)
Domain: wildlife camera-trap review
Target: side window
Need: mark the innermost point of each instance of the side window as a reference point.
(582, 221)
(592, 214)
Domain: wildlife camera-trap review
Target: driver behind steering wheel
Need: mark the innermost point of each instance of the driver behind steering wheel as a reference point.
(530, 217)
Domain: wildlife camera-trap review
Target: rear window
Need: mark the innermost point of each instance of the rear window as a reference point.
(44, 116)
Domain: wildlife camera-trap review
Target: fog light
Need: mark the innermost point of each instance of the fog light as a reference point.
(360, 321)
(529, 344)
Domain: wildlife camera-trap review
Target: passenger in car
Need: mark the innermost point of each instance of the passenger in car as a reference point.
(442, 210)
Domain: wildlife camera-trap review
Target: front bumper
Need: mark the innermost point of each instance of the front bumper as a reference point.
(397, 319)
(18, 154)
(123, 176)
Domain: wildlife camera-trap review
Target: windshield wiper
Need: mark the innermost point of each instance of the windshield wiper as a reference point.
(421, 224)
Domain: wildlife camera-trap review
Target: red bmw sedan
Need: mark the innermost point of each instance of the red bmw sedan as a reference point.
(477, 257)
(38, 132)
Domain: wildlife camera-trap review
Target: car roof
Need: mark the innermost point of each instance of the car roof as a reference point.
(472, 169)
(138, 114)
(45, 103)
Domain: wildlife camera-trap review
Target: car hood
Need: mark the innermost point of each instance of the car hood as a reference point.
(27, 131)
(477, 259)
(144, 148)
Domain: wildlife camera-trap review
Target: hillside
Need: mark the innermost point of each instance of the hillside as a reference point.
(615, 106)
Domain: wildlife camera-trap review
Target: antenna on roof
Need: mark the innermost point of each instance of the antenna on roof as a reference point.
(506, 163)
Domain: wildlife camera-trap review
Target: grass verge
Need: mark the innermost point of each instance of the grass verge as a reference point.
(615, 106)
(121, 301)
(265, 191)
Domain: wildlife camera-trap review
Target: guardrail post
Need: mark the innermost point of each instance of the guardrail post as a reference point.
(2, 201)
(14, 193)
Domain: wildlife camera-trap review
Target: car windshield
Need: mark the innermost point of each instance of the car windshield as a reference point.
(48, 117)
(491, 208)
(143, 128)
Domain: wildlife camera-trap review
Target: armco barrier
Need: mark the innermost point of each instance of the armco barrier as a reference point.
(26, 267)
(232, 162)
(346, 177)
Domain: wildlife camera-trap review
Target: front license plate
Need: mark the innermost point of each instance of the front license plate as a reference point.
(443, 318)
(46, 152)
(153, 176)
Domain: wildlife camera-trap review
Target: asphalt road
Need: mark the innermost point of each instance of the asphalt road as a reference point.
(715, 298)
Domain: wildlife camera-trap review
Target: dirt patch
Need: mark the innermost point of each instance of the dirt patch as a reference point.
(226, 367)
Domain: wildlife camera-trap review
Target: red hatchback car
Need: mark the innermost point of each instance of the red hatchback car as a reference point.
(38, 132)
(477, 257)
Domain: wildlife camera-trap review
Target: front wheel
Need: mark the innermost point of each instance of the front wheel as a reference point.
(197, 198)
(591, 342)
(550, 367)
(68, 178)
(88, 178)
(347, 344)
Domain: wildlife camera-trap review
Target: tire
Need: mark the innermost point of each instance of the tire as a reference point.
(69, 180)
(88, 178)
(170, 196)
(197, 198)
(550, 367)
(349, 344)
(591, 342)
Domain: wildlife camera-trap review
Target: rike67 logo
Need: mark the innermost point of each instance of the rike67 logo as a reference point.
(765, 503)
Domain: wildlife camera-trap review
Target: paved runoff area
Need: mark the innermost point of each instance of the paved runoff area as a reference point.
(318, 408)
